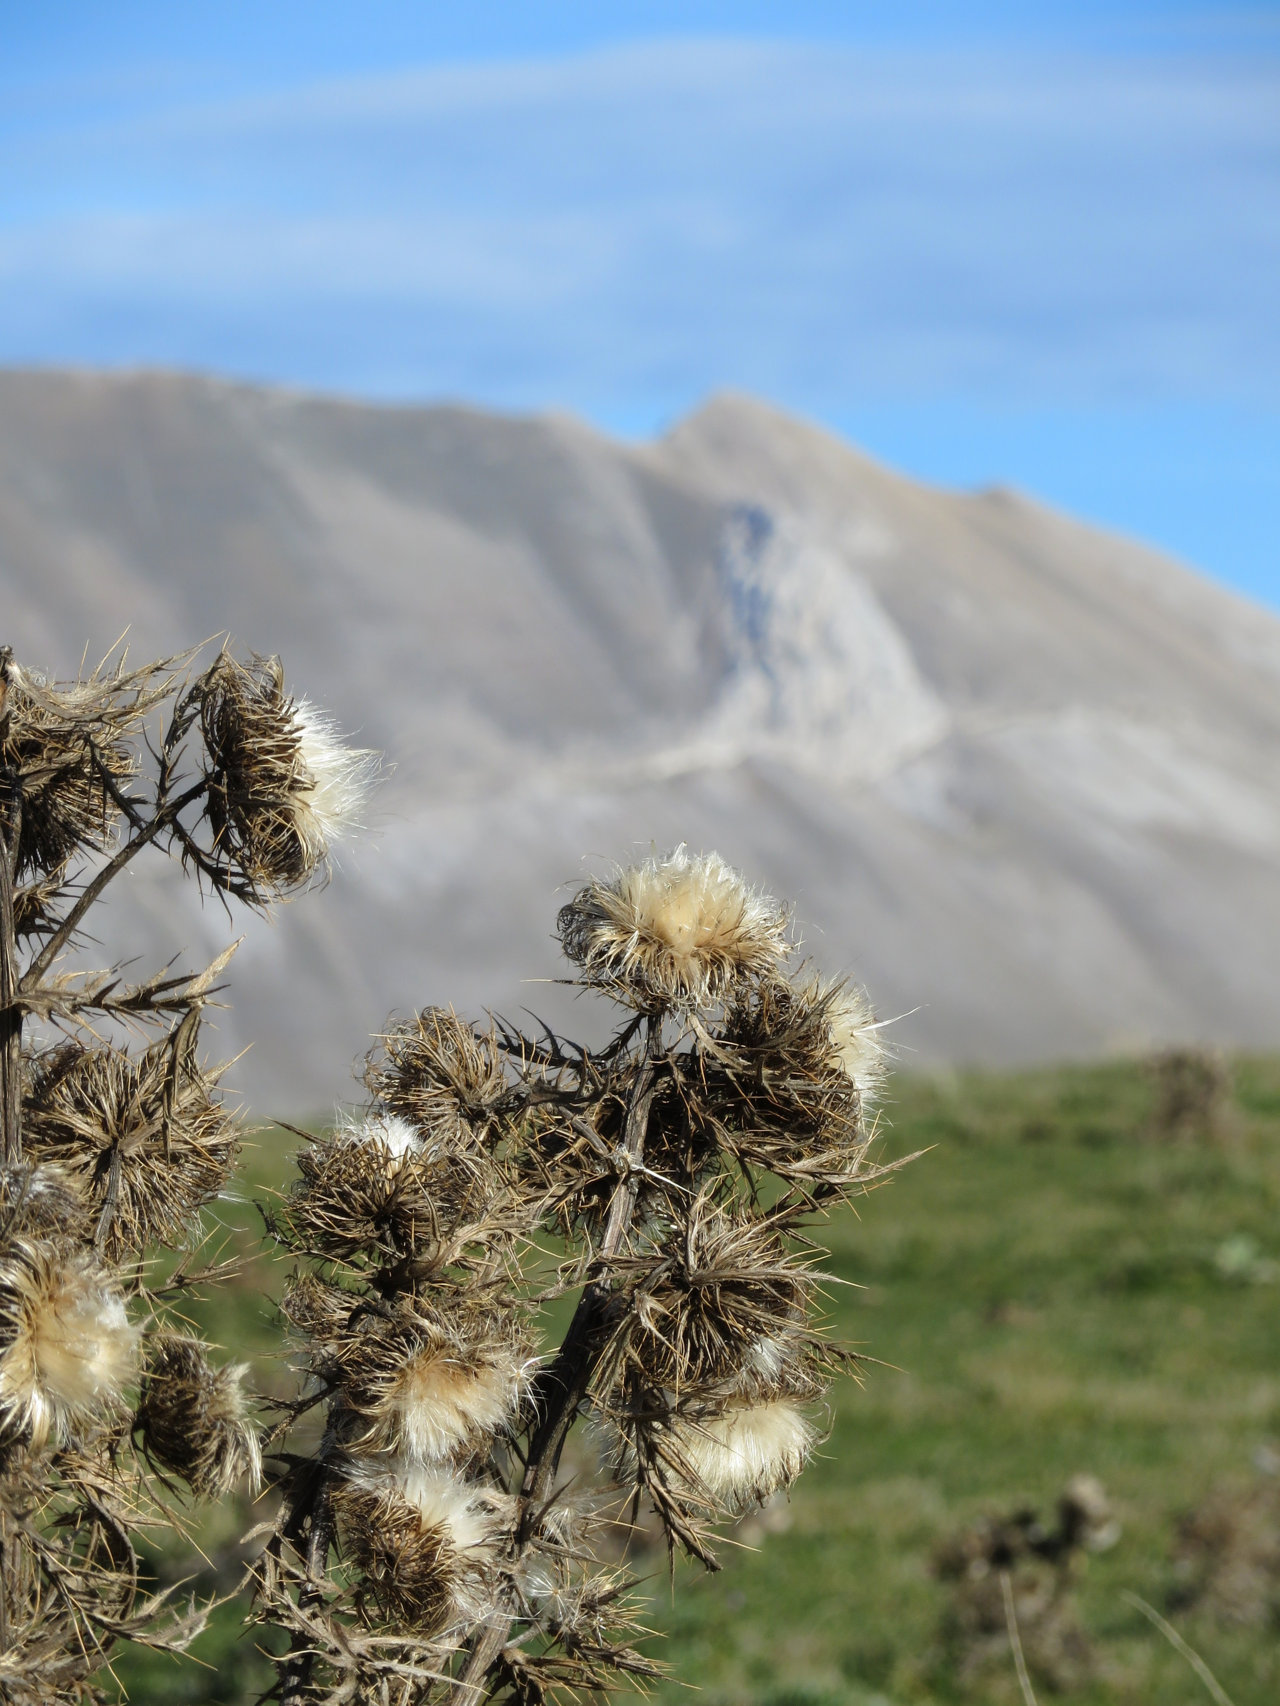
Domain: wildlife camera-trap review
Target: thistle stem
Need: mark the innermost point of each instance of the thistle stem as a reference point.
(10, 1018)
(570, 1374)
(314, 1512)
(10, 1033)
(10, 1011)
(164, 817)
(568, 1380)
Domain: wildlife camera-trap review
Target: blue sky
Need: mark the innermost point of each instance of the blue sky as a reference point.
(1036, 245)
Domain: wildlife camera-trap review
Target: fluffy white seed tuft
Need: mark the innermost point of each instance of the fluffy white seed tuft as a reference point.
(245, 1456)
(856, 1042)
(387, 1131)
(470, 1518)
(67, 1348)
(768, 1358)
(330, 794)
(679, 929)
(442, 1401)
(746, 1454)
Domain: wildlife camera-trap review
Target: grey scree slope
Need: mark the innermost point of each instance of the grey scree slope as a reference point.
(1019, 775)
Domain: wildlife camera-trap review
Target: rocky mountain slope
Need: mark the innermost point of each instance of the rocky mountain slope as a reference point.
(1021, 777)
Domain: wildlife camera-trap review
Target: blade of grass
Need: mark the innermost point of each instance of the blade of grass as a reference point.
(1015, 1640)
(1176, 1641)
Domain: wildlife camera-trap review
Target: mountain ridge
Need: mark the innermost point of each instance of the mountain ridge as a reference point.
(1022, 772)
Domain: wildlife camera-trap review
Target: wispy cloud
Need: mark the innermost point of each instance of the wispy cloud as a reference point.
(654, 220)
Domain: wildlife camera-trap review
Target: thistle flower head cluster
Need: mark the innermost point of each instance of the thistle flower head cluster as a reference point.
(113, 1139)
(696, 1351)
(427, 1547)
(413, 1323)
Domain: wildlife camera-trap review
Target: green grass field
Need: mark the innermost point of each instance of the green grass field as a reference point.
(1048, 1290)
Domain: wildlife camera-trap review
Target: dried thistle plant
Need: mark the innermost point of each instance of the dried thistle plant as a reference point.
(1014, 1578)
(1226, 1555)
(112, 1133)
(1193, 1097)
(429, 1548)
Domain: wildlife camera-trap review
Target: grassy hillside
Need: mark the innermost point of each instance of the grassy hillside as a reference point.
(1057, 1290)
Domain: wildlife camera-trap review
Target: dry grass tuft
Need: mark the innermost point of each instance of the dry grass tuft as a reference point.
(1193, 1097)
(1227, 1556)
(1017, 1572)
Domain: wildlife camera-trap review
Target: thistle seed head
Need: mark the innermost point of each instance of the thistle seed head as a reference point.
(68, 748)
(146, 1128)
(373, 1194)
(67, 1349)
(787, 1090)
(728, 1301)
(855, 1036)
(678, 931)
(195, 1419)
(41, 1200)
(810, 1027)
(451, 1396)
(282, 788)
(424, 1539)
(442, 1076)
(423, 1379)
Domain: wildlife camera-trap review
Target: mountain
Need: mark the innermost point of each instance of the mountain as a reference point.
(1019, 776)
